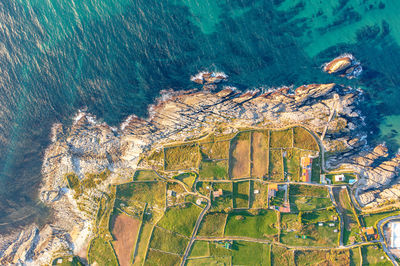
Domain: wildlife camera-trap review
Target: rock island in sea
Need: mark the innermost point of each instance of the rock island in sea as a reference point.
(210, 168)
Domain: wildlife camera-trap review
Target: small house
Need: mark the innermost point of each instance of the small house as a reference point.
(171, 193)
(331, 224)
(340, 178)
(218, 193)
(199, 201)
(368, 230)
(256, 191)
(320, 224)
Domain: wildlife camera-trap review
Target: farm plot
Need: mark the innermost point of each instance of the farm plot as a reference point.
(155, 257)
(180, 219)
(131, 194)
(281, 138)
(374, 255)
(215, 150)
(167, 241)
(304, 140)
(241, 194)
(259, 154)
(242, 223)
(213, 170)
(281, 256)
(258, 195)
(322, 257)
(125, 230)
(213, 224)
(275, 165)
(101, 252)
(355, 256)
(291, 164)
(143, 242)
(182, 157)
(351, 232)
(199, 249)
(145, 175)
(307, 198)
(222, 202)
(239, 160)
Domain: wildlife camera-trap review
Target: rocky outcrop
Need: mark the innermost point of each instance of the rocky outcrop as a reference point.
(345, 66)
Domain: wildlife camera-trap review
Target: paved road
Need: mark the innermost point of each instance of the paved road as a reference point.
(382, 237)
(194, 233)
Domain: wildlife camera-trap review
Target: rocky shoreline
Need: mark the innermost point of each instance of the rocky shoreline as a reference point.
(329, 110)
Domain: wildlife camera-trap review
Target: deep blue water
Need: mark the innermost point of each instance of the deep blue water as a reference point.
(114, 56)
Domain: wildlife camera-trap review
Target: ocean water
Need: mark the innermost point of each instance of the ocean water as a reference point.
(114, 56)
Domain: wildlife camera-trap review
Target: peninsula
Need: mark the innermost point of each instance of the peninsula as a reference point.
(218, 176)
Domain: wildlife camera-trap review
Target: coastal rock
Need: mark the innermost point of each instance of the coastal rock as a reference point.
(345, 66)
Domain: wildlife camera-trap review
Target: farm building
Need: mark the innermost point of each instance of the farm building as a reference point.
(306, 167)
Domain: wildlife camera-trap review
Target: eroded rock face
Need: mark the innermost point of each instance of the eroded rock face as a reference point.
(345, 66)
(328, 110)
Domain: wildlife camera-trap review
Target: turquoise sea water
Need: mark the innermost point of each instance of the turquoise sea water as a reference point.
(114, 56)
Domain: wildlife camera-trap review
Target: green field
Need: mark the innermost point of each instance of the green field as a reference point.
(258, 200)
(145, 175)
(355, 258)
(160, 258)
(213, 170)
(221, 261)
(250, 253)
(304, 140)
(101, 252)
(275, 169)
(322, 257)
(242, 223)
(281, 256)
(298, 203)
(68, 261)
(372, 219)
(164, 240)
(180, 220)
(181, 157)
(316, 170)
(143, 241)
(187, 178)
(223, 202)
(213, 224)
(200, 249)
(215, 150)
(241, 194)
(281, 138)
(374, 255)
(351, 230)
(307, 190)
(152, 193)
(291, 164)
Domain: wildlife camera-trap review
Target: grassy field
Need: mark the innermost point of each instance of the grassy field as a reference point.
(355, 258)
(75, 261)
(213, 170)
(200, 249)
(298, 203)
(275, 165)
(259, 154)
(258, 200)
(145, 175)
(311, 191)
(291, 164)
(263, 225)
(182, 157)
(215, 150)
(351, 228)
(250, 253)
(241, 194)
(322, 257)
(221, 261)
(143, 241)
(187, 178)
(225, 201)
(164, 240)
(374, 255)
(281, 138)
(372, 219)
(213, 224)
(160, 258)
(239, 160)
(281, 256)
(304, 140)
(293, 228)
(180, 220)
(279, 198)
(151, 192)
(316, 170)
(101, 252)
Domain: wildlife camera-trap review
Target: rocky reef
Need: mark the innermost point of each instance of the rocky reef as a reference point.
(344, 66)
(101, 156)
